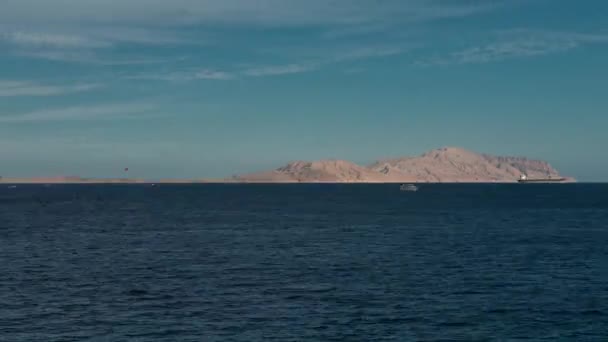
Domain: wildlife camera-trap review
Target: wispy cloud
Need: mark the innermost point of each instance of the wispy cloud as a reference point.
(101, 112)
(185, 76)
(40, 39)
(239, 12)
(9, 88)
(352, 54)
(91, 45)
(367, 52)
(218, 75)
(76, 31)
(213, 75)
(145, 36)
(269, 70)
(89, 57)
(87, 32)
(275, 70)
(94, 37)
(326, 58)
(518, 44)
(296, 68)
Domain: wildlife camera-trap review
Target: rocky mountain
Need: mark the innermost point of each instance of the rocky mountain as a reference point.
(317, 171)
(448, 164)
(443, 165)
(453, 164)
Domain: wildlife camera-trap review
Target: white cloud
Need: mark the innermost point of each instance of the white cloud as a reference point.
(213, 75)
(90, 45)
(304, 66)
(345, 55)
(218, 75)
(264, 12)
(94, 37)
(145, 36)
(184, 76)
(80, 31)
(275, 70)
(368, 52)
(86, 57)
(101, 112)
(518, 44)
(10, 88)
(39, 39)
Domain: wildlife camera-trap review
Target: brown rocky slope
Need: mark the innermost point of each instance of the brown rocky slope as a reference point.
(448, 164)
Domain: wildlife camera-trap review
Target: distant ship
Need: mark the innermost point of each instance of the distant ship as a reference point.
(525, 179)
(408, 187)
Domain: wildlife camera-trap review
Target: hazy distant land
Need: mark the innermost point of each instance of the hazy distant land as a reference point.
(444, 165)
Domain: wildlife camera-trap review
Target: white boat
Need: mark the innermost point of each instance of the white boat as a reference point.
(524, 179)
(408, 187)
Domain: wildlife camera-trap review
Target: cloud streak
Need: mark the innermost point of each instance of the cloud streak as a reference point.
(101, 112)
(270, 70)
(518, 44)
(145, 36)
(185, 76)
(91, 45)
(94, 38)
(276, 70)
(88, 57)
(239, 12)
(76, 31)
(37, 39)
(9, 88)
(349, 55)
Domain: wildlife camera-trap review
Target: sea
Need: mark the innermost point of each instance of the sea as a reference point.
(304, 262)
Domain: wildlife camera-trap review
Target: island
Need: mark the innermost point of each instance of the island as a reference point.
(442, 165)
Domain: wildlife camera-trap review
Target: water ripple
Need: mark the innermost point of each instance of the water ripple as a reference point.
(303, 263)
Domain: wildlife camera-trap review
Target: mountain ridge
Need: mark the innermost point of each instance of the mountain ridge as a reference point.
(442, 165)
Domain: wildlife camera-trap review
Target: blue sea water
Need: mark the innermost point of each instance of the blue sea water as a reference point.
(304, 263)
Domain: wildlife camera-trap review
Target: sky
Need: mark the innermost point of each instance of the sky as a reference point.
(211, 88)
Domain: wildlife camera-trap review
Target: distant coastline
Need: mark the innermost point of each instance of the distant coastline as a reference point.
(443, 165)
(34, 181)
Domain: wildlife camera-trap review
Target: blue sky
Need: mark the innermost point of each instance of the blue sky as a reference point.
(209, 88)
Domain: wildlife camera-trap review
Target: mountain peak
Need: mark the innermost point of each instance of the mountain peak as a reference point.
(449, 150)
(445, 164)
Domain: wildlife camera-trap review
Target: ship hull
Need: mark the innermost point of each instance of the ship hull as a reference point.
(549, 180)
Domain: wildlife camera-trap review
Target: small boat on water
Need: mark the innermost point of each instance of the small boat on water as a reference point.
(408, 187)
(524, 179)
